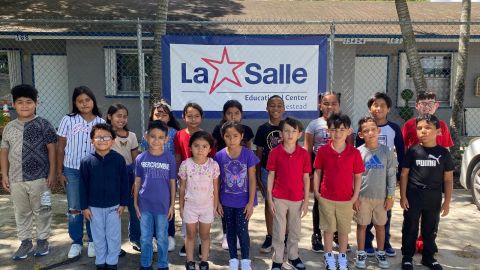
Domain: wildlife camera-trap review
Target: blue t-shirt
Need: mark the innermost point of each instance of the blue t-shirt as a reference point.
(234, 182)
(156, 173)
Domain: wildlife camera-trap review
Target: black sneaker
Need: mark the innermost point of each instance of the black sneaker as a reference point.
(190, 265)
(317, 245)
(297, 264)
(407, 264)
(276, 266)
(267, 244)
(182, 252)
(204, 265)
(26, 247)
(432, 264)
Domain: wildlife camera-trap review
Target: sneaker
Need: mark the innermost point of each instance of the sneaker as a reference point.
(42, 248)
(182, 252)
(317, 245)
(91, 250)
(390, 252)
(361, 261)
(276, 266)
(342, 262)
(190, 265)
(382, 259)
(432, 264)
(330, 262)
(171, 244)
(233, 264)
(407, 264)
(136, 246)
(204, 265)
(225, 242)
(154, 245)
(75, 251)
(25, 248)
(200, 251)
(122, 253)
(297, 264)
(267, 244)
(370, 251)
(246, 264)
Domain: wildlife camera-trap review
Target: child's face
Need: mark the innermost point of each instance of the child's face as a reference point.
(200, 148)
(161, 114)
(233, 114)
(290, 135)
(426, 106)
(232, 137)
(329, 105)
(119, 119)
(192, 117)
(379, 109)
(25, 107)
(339, 134)
(156, 139)
(102, 140)
(275, 108)
(84, 104)
(427, 132)
(369, 132)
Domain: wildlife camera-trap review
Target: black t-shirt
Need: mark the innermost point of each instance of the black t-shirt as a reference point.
(427, 165)
(268, 136)
(247, 136)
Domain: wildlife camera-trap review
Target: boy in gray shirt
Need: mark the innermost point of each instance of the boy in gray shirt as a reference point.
(376, 192)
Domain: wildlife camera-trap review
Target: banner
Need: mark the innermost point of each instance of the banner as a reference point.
(210, 70)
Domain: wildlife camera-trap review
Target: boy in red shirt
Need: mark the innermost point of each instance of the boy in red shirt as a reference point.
(288, 185)
(338, 163)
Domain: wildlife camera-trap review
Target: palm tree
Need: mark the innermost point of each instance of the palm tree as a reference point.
(160, 30)
(410, 45)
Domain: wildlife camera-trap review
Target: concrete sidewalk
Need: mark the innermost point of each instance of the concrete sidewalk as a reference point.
(458, 241)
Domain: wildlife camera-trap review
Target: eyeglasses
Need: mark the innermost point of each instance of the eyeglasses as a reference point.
(103, 138)
(427, 103)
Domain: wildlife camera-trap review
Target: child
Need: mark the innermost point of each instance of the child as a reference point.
(266, 138)
(237, 191)
(288, 186)
(376, 192)
(154, 194)
(126, 144)
(73, 145)
(198, 195)
(390, 135)
(316, 136)
(29, 185)
(338, 163)
(104, 194)
(426, 169)
(232, 111)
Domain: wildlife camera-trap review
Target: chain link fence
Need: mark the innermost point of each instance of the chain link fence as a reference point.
(364, 57)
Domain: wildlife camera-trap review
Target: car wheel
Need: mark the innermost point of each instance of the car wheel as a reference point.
(475, 184)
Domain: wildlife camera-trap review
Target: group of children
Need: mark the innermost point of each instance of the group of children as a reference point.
(100, 166)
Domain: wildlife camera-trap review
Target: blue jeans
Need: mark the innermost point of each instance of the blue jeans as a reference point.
(369, 235)
(75, 220)
(107, 229)
(147, 222)
(133, 223)
(237, 226)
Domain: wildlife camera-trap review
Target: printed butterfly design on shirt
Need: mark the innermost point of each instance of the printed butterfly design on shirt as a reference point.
(236, 175)
(123, 143)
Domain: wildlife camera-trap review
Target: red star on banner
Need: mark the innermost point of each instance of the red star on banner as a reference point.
(226, 70)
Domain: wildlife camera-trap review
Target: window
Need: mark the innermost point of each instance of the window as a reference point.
(121, 71)
(439, 72)
(10, 72)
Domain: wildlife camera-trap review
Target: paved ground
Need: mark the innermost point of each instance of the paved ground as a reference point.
(458, 241)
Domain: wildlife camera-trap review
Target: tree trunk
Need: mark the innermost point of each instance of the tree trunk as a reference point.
(456, 122)
(160, 30)
(410, 45)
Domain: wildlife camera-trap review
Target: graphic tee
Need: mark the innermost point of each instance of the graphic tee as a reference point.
(318, 128)
(125, 145)
(199, 177)
(268, 137)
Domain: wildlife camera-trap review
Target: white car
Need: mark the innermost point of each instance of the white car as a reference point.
(470, 171)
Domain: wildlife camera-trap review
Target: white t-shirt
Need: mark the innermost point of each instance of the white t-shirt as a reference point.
(125, 145)
(318, 128)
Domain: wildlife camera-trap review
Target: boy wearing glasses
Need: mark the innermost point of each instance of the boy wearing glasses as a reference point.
(341, 168)
(104, 194)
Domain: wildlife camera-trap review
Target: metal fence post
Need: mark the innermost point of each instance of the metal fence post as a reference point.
(331, 56)
(141, 74)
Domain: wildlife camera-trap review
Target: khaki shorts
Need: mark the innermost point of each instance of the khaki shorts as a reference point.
(371, 211)
(335, 216)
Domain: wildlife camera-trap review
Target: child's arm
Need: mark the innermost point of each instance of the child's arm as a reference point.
(136, 189)
(4, 168)
(403, 188)
(271, 179)
(173, 193)
(316, 183)
(306, 192)
(62, 142)
(391, 180)
(259, 152)
(448, 187)
(252, 189)
(51, 149)
(216, 195)
(181, 200)
(357, 182)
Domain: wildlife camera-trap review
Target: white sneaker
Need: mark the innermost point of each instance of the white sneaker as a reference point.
(171, 244)
(224, 242)
(329, 261)
(75, 250)
(154, 245)
(233, 264)
(246, 264)
(342, 262)
(382, 259)
(360, 262)
(91, 250)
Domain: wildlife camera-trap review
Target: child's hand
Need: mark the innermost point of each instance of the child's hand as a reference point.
(6, 183)
(388, 204)
(62, 180)
(304, 209)
(50, 181)
(248, 211)
(87, 214)
(171, 211)
(356, 205)
(137, 211)
(445, 209)
(220, 210)
(272, 207)
(120, 210)
(404, 203)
